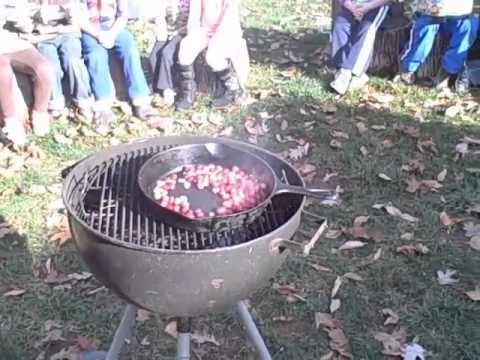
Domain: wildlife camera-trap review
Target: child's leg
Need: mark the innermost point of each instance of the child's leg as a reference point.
(190, 47)
(422, 37)
(49, 50)
(127, 51)
(464, 32)
(342, 31)
(12, 119)
(167, 64)
(7, 82)
(31, 62)
(70, 52)
(363, 41)
(96, 59)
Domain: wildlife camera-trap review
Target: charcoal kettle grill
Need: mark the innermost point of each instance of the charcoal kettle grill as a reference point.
(173, 271)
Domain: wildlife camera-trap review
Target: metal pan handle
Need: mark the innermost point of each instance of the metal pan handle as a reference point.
(327, 196)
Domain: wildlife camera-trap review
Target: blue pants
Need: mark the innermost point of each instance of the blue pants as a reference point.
(96, 58)
(463, 31)
(353, 41)
(65, 55)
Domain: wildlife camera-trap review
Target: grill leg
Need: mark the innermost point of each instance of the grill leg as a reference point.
(184, 327)
(252, 331)
(123, 332)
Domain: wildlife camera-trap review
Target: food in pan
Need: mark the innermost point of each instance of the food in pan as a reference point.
(236, 189)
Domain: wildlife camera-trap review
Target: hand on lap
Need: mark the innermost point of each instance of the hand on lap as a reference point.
(106, 38)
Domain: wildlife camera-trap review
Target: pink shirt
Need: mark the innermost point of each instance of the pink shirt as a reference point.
(216, 16)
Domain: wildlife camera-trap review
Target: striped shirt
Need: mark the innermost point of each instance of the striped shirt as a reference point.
(103, 13)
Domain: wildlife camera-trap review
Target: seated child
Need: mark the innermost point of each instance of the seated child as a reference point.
(20, 55)
(213, 25)
(431, 16)
(353, 39)
(171, 28)
(104, 27)
(59, 42)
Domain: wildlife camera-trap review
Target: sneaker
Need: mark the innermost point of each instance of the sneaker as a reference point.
(40, 123)
(442, 79)
(405, 77)
(342, 81)
(15, 131)
(462, 83)
(358, 82)
(169, 97)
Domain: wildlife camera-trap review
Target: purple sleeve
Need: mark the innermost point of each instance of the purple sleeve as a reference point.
(122, 8)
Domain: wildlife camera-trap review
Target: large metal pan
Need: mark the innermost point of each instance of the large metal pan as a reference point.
(172, 160)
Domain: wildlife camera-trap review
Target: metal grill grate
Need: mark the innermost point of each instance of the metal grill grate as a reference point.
(109, 201)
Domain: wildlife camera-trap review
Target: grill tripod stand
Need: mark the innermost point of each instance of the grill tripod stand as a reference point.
(125, 328)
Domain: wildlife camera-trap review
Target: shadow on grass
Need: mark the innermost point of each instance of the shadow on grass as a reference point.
(15, 266)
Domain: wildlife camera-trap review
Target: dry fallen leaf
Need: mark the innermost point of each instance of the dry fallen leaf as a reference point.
(336, 286)
(378, 127)
(335, 305)
(445, 219)
(475, 242)
(333, 234)
(384, 177)
(392, 343)
(392, 210)
(15, 292)
(377, 254)
(474, 294)
(427, 145)
(335, 144)
(392, 317)
(143, 315)
(320, 267)
(338, 341)
(340, 135)
(442, 175)
(353, 244)
(87, 343)
(407, 236)
(363, 150)
(445, 277)
(326, 320)
(360, 220)
(418, 249)
(361, 127)
(171, 329)
(471, 229)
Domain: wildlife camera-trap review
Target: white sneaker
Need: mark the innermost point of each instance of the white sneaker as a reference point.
(169, 97)
(15, 131)
(341, 84)
(359, 81)
(40, 123)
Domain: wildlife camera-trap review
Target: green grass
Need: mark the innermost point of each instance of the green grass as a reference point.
(443, 319)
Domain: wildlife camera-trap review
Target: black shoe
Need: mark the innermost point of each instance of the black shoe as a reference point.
(186, 96)
(462, 84)
(232, 88)
(441, 80)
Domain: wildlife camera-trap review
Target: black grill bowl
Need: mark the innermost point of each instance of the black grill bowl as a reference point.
(183, 277)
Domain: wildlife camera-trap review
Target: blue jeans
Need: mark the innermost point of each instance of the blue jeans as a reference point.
(463, 31)
(96, 59)
(353, 41)
(65, 55)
